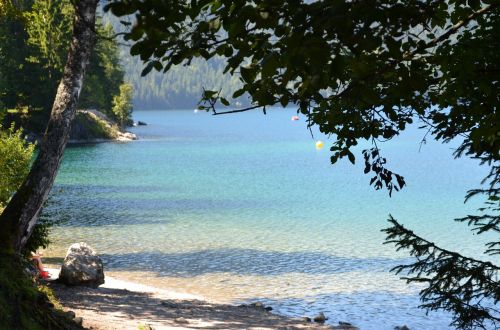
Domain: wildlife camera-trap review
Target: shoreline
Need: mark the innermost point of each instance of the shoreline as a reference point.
(120, 304)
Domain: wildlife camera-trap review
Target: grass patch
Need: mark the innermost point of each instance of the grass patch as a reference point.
(88, 127)
(49, 293)
(24, 304)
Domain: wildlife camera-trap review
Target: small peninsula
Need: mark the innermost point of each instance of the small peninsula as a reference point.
(91, 126)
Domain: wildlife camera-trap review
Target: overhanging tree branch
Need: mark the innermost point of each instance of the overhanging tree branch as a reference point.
(238, 110)
(454, 29)
(466, 287)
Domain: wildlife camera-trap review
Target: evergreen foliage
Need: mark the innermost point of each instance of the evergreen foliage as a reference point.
(181, 87)
(361, 70)
(18, 85)
(34, 41)
(48, 25)
(105, 74)
(464, 286)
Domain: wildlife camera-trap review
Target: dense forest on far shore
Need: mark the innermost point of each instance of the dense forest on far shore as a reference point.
(181, 87)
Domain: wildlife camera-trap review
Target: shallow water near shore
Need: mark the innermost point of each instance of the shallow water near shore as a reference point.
(242, 207)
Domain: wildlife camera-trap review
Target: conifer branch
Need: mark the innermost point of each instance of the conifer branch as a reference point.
(466, 287)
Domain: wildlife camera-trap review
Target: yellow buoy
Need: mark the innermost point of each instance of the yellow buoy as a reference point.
(319, 145)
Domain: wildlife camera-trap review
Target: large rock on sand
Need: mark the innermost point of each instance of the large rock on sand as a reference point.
(82, 266)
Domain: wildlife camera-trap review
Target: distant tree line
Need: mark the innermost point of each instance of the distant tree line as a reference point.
(181, 87)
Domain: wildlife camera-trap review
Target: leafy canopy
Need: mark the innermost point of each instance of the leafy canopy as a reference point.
(358, 70)
(16, 155)
(49, 25)
(15, 162)
(361, 70)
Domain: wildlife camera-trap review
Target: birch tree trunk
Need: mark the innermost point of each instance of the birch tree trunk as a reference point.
(21, 214)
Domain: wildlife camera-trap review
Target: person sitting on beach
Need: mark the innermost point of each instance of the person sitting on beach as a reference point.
(37, 260)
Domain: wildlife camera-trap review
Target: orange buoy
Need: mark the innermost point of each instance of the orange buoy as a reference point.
(319, 145)
(295, 118)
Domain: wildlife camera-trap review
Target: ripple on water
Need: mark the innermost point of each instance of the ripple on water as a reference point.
(240, 213)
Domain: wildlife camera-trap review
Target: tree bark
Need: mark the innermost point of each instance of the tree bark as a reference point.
(21, 214)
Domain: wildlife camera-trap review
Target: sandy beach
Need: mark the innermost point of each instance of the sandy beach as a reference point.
(119, 304)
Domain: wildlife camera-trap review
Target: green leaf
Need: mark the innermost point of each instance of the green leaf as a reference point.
(248, 74)
(208, 94)
(157, 65)
(238, 93)
(147, 69)
(351, 157)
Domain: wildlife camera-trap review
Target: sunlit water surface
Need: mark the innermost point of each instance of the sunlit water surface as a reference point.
(242, 207)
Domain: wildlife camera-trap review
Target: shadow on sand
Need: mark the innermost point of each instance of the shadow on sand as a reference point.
(106, 308)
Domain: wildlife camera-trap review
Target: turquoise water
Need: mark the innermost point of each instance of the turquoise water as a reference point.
(243, 207)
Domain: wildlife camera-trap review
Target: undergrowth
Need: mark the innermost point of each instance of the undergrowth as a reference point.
(24, 304)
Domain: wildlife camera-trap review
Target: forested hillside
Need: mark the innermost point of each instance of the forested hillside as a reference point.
(181, 87)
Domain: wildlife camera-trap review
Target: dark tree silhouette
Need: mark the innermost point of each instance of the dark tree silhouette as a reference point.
(361, 70)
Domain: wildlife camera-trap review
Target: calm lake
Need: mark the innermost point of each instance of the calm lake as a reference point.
(242, 208)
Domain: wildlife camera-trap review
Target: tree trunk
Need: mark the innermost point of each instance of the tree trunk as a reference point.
(21, 214)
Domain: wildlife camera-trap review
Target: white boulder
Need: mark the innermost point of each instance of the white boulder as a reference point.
(82, 266)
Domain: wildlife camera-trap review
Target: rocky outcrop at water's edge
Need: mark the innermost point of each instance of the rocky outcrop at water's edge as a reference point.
(93, 126)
